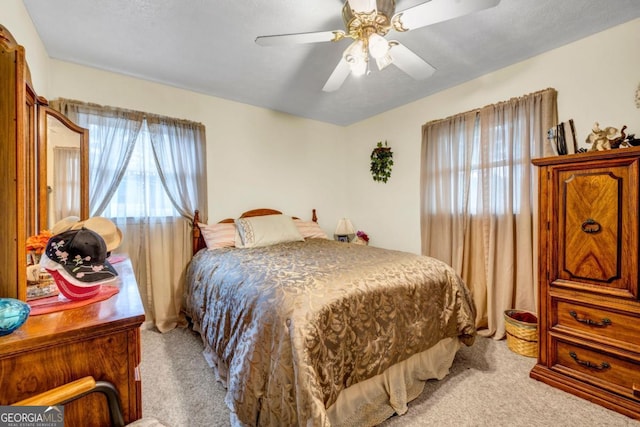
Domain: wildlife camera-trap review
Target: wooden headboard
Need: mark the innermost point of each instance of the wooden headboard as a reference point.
(198, 238)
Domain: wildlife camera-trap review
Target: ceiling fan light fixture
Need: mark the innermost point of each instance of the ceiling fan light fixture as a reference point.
(378, 46)
(384, 61)
(356, 57)
(365, 6)
(360, 68)
(354, 52)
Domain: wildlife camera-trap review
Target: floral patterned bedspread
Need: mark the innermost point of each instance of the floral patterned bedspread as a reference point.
(295, 323)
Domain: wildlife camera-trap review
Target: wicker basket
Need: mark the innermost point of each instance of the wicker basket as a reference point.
(522, 337)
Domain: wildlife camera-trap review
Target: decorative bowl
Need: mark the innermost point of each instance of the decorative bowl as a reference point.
(13, 313)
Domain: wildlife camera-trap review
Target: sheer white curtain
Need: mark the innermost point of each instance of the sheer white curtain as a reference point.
(179, 152)
(66, 175)
(112, 136)
(479, 200)
(148, 196)
(156, 237)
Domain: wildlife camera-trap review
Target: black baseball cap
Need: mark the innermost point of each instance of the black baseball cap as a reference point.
(83, 255)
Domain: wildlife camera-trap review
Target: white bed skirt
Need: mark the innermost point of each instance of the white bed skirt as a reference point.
(372, 401)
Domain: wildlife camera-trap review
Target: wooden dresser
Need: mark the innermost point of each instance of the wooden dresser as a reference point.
(101, 339)
(589, 306)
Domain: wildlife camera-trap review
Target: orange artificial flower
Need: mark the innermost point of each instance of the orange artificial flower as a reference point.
(38, 243)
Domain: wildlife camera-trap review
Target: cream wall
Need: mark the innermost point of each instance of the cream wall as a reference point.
(595, 77)
(16, 19)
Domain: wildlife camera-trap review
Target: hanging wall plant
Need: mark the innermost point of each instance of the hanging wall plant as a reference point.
(381, 162)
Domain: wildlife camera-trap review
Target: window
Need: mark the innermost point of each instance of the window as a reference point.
(141, 193)
(148, 174)
(478, 197)
(471, 168)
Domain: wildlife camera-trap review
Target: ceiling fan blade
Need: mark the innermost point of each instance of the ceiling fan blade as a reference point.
(338, 76)
(435, 11)
(409, 62)
(299, 38)
(363, 5)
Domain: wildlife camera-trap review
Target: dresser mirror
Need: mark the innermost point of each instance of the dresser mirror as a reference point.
(66, 189)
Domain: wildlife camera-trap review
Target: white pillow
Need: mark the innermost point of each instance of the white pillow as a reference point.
(220, 235)
(310, 229)
(266, 230)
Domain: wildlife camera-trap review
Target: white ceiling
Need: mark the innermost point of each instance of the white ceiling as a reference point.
(207, 46)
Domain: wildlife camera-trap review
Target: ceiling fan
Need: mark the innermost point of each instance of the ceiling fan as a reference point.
(367, 22)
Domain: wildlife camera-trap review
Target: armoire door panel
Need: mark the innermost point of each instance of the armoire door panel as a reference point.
(590, 225)
(595, 210)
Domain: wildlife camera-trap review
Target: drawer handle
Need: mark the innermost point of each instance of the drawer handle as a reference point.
(591, 226)
(602, 324)
(590, 365)
(636, 390)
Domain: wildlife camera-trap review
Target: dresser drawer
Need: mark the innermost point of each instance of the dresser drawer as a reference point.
(613, 372)
(607, 326)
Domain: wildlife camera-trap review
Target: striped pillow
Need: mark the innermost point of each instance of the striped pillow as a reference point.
(310, 229)
(220, 235)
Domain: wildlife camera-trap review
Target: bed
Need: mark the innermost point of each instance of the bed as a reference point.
(314, 332)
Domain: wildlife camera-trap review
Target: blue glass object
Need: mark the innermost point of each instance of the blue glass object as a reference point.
(13, 313)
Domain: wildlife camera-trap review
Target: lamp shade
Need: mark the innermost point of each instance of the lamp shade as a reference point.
(378, 46)
(363, 6)
(345, 228)
(384, 61)
(356, 56)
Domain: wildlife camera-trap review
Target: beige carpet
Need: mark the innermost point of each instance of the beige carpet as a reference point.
(488, 386)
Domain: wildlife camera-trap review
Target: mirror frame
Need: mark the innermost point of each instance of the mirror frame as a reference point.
(44, 111)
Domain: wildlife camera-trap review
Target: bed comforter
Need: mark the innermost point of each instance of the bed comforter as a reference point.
(290, 326)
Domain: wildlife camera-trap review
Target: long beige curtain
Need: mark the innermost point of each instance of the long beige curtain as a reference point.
(148, 174)
(479, 200)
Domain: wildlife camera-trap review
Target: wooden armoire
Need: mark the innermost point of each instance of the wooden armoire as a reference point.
(19, 171)
(589, 306)
(28, 127)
